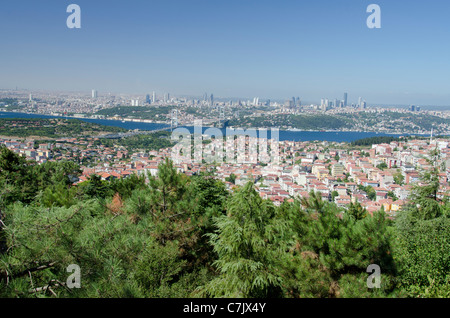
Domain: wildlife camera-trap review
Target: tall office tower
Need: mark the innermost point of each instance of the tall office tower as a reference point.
(412, 108)
(211, 100)
(268, 102)
(256, 101)
(359, 101)
(154, 98)
(166, 97)
(322, 102)
(288, 103)
(336, 103)
(345, 99)
(31, 97)
(147, 99)
(94, 93)
(298, 102)
(364, 105)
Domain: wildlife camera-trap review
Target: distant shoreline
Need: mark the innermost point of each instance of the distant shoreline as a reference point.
(123, 122)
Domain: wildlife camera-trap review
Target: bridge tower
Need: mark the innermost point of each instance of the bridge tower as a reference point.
(173, 119)
(221, 115)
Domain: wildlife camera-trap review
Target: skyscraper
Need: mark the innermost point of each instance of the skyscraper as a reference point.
(211, 100)
(345, 99)
(359, 101)
(147, 99)
(154, 98)
(94, 93)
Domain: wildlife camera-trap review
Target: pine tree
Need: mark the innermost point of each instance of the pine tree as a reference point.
(248, 242)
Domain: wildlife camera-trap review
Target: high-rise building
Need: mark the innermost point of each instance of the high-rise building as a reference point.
(359, 101)
(345, 99)
(211, 100)
(147, 99)
(288, 103)
(154, 98)
(94, 93)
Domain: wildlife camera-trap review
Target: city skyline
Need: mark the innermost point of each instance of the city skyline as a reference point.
(164, 97)
(264, 49)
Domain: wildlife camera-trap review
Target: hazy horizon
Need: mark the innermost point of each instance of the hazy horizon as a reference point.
(266, 49)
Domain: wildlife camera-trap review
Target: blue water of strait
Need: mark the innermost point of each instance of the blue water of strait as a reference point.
(331, 136)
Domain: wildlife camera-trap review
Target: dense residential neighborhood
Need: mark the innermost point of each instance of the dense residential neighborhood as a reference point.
(377, 177)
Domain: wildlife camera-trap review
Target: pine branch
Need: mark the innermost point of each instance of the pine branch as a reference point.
(34, 269)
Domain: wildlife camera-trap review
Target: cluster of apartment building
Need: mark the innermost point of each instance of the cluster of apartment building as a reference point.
(339, 173)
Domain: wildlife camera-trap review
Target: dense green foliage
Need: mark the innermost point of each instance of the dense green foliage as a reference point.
(171, 235)
(399, 122)
(152, 141)
(306, 122)
(52, 128)
(374, 141)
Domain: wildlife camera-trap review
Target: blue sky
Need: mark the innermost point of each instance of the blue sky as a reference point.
(232, 48)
